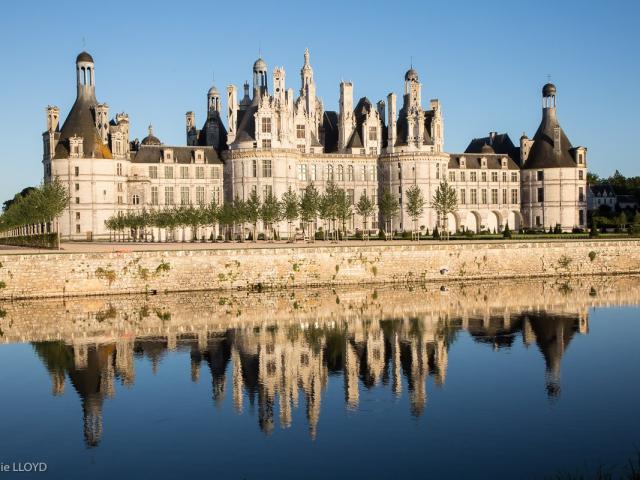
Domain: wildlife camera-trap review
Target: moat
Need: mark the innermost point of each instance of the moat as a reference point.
(499, 379)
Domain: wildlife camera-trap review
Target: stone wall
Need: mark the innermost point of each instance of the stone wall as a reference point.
(76, 274)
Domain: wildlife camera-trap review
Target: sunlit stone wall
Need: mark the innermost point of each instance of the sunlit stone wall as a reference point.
(54, 274)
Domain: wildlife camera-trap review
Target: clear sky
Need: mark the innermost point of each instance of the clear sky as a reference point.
(485, 60)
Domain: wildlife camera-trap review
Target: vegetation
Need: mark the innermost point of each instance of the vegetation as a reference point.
(445, 202)
(389, 207)
(365, 208)
(415, 207)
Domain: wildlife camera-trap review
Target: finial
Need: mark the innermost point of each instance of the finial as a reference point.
(259, 52)
(411, 61)
(306, 56)
(150, 129)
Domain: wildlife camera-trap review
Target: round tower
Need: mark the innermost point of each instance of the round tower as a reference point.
(85, 75)
(259, 77)
(213, 101)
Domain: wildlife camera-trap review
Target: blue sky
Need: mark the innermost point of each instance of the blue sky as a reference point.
(485, 60)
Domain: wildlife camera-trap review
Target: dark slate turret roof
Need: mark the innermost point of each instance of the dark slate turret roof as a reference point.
(330, 131)
(81, 122)
(182, 155)
(500, 143)
(543, 154)
(84, 57)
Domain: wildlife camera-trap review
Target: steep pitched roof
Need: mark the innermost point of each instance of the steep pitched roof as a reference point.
(330, 131)
(543, 153)
(81, 122)
(500, 143)
(153, 154)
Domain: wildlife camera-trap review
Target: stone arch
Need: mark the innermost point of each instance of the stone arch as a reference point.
(492, 222)
(473, 221)
(515, 220)
(453, 222)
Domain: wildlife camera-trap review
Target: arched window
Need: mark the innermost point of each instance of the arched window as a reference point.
(340, 173)
(329, 172)
(135, 200)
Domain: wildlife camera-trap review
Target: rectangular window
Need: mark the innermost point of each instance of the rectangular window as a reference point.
(452, 176)
(474, 176)
(540, 175)
(254, 168)
(363, 173)
(581, 217)
(184, 196)
(340, 173)
(540, 194)
(77, 171)
(484, 195)
(350, 173)
(351, 195)
(330, 175)
(373, 133)
(77, 215)
(437, 170)
(266, 125)
(463, 176)
(266, 191)
(119, 200)
(78, 187)
(484, 176)
(266, 168)
(153, 171)
(199, 173)
(373, 173)
(215, 194)
(300, 133)
(374, 198)
(77, 228)
(494, 196)
(463, 196)
(154, 195)
(514, 195)
(581, 194)
(505, 198)
(118, 169)
(184, 172)
(580, 174)
(168, 172)
(119, 187)
(266, 143)
(314, 173)
(168, 195)
(200, 198)
(514, 176)
(504, 176)
(494, 176)
(474, 196)
(302, 172)
(215, 173)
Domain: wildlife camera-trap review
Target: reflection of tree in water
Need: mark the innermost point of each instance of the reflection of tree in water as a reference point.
(278, 367)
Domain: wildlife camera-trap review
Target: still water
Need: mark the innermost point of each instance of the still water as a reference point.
(494, 380)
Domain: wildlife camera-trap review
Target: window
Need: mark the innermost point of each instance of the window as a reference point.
(373, 150)
(135, 200)
(267, 190)
(581, 217)
(452, 176)
(474, 196)
(215, 172)
(200, 198)
(254, 168)
(540, 175)
(200, 173)
(215, 194)
(330, 172)
(581, 194)
(76, 171)
(374, 197)
(119, 187)
(473, 176)
(373, 173)
(118, 169)
(538, 221)
(363, 173)
(340, 173)
(373, 133)
(541, 194)
(505, 198)
(77, 215)
(484, 195)
(514, 195)
(437, 170)
(78, 187)
(302, 172)
(494, 196)
(168, 195)
(314, 173)
(266, 125)
(184, 172)
(463, 196)
(494, 176)
(184, 196)
(463, 176)
(119, 200)
(300, 133)
(504, 176)
(266, 143)
(266, 168)
(153, 171)
(351, 195)
(77, 228)
(483, 176)
(301, 148)
(580, 174)
(168, 172)
(514, 176)
(350, 173)
(154, 195)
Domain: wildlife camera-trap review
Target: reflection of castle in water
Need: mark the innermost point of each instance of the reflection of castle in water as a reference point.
(275, 365)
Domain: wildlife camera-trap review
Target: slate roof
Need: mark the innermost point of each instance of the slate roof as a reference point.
(402, 128)
(473, 161)
(542, 154)
(153, 154)
(499, 142)
(330, 130)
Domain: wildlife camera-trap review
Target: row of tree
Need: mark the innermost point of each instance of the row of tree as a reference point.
(35, 210)
(333, 207)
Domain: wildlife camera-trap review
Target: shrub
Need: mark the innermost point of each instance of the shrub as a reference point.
(45, 240)
(592, 255)
(406, 235)
(506, 233)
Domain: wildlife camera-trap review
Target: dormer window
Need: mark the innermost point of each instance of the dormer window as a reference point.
(504, 163)
(463, 162)
(483, 163)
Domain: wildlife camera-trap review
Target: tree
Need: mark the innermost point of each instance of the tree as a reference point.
(240, 208)
(325, 211)
(389, 207)
(309, 207)
(415, 206)
(330, 205)
(343, 209)
(506, 233)
(365, 209)
(270, 213)
(226, 216)
(445, 202)
(290, 209)
(212, 216)
(252, 210)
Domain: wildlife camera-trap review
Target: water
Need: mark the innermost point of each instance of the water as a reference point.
(494, 380)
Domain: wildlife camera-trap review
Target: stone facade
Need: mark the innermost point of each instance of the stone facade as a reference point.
(59, 274)
(275, 140)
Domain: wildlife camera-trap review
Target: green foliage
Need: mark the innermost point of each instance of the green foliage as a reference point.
(270, 211)
(415, 204)
(506, 233)
(365, 208)
(43, 240)
(388, 206)
(445, 202)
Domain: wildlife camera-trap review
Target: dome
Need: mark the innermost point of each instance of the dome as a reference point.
(548, 90)
(259, 65)
(84, 57)
(411, 75)
(213, 91)
(486, 148)
(151, 139)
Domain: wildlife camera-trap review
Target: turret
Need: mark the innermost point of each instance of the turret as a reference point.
(192, 131)
(213, 102)
(102, 121)
(232, 111)
(346, 114)
(259, 78)
(85, 76)
(392, 122)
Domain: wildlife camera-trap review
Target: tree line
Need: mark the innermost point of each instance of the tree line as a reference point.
(334, 208)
